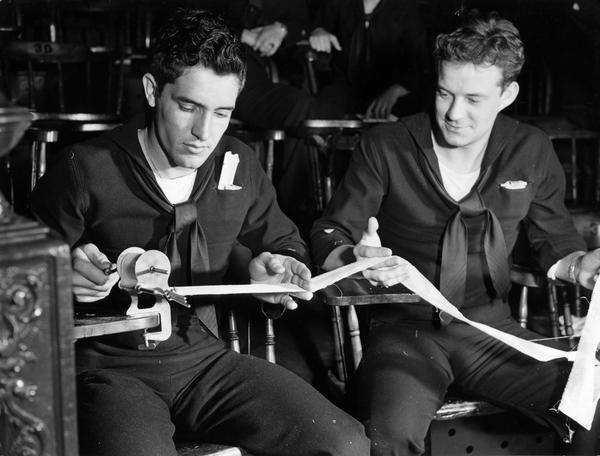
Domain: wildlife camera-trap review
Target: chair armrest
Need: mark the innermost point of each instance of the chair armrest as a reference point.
(92, 326)
(457, 408)
(354, 291)
(366, 300)
(530, 277)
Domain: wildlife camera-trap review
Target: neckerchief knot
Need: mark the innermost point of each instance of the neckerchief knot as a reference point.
(453, 272)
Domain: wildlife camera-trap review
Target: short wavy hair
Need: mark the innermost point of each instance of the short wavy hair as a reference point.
(193, 37)
(491, 41)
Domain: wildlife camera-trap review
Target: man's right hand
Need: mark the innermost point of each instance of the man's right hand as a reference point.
(90, 283)
(390, 272)
(322, 41)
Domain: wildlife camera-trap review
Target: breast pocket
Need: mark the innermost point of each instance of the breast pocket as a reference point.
(225, 214)
(515, 198)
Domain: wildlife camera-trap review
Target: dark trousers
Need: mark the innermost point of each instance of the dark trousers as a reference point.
(408, 367)
(218, 396)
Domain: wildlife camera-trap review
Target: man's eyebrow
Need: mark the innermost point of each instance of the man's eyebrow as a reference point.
(200, 105)
(471, 95)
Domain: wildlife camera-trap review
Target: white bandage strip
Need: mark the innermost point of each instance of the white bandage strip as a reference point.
(425, 289)
(583, 387)
(316, 283)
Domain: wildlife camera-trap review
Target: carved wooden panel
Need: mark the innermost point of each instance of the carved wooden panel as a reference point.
(37, 379)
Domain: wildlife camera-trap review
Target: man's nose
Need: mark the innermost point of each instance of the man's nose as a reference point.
(455, 110)
(201, 126)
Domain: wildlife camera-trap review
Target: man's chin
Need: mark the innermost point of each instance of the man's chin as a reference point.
(458, 137)
(454, 140)
(193, 163)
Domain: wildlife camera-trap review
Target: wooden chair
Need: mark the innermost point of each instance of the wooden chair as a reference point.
(346, 324)
(576, 142)
(536, 105)
(52, 128)
(14, 121)
(324, 138)
(81, 79)
(73, 89)
(40, 137)
(262, 141)
(347, 342)
(101, 23)
(316, 66)
(527, 279)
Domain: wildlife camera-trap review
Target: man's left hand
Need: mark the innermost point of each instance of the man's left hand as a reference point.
(273, 269)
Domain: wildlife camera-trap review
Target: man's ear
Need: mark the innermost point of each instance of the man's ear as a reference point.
(509, 94)
(150, 89)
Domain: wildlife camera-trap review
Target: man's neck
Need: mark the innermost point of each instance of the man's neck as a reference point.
(462, 160)
(370, 5)
(157, 159)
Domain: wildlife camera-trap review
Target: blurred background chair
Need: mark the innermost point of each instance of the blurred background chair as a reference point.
(324, 138)
(72, 91)
(62, 77)
(262, 141)
(577, 143)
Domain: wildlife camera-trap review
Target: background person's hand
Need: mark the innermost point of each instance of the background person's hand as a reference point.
(322, 41)
(90, 283)
(249, 36)
(381, 106)
(274, 269)
(269, 39)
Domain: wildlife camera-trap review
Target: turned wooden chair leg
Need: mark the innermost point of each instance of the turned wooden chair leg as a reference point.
(577, 298)
(270, 341)
(338, 343)
(567, 317)
(354, 332)
(232, 332)
(553, 309)
(523, 307)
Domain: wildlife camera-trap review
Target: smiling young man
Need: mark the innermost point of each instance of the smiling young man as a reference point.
(156, 185)
(449, 192)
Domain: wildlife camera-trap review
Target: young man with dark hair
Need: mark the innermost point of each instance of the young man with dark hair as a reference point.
(155, 185)
(450, 192)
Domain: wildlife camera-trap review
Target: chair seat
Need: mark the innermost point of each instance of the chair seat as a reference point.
(75, 122)
(61, 117)
(454, 408)
(328, 125)
(50, 128)
(207, 449)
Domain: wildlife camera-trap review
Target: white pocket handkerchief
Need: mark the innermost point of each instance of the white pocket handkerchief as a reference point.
(514, 185)
(230, 164)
